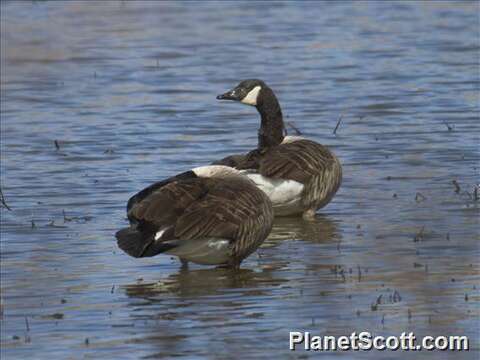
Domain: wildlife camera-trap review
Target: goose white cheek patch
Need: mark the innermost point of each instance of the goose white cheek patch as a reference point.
(251, 98)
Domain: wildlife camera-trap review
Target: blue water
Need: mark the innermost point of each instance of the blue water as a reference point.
(128, 91)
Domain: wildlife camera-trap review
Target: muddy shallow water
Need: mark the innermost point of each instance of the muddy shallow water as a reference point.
(128, 91)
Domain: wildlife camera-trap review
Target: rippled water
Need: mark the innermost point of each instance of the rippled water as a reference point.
(128, 91)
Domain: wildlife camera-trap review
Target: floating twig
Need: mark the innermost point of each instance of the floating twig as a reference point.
(54, 316)
(338, 124)
(57, 145)
(297, 131)
(419, 197)
(65, 217)
(3, 201)
(77, 219)
(52, 224)
(27, 325)
(450, 128)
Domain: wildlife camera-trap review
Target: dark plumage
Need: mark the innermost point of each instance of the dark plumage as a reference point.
(219, 219)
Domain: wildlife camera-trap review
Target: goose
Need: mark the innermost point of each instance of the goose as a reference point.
(299, 175)
(210, 215)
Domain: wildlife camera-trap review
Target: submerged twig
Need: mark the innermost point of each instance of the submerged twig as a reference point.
(396, 297)
(419, 235)
(457, 186)
(57, 145)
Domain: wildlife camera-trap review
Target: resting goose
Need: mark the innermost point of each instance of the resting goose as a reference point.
(300, 176)
(210, 215)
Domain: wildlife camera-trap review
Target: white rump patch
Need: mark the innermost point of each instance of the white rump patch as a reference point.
(283, 193)
(216, 171)
(159, 234)
(251, 98)
(290, 139)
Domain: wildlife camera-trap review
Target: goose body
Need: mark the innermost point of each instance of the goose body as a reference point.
(212, 215)
(299, 176)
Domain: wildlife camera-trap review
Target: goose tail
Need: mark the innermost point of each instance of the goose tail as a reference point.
(138, 244)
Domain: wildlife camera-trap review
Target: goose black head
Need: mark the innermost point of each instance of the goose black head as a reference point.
(247, 92)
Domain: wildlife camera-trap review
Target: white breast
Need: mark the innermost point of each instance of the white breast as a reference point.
(285, 195)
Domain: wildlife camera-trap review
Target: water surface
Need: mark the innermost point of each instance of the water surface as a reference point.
(128, 91)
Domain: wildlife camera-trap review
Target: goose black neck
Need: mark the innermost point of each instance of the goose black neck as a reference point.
(271, 131)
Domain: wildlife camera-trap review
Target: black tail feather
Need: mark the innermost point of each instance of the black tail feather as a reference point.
(133, 242)
(138, 244)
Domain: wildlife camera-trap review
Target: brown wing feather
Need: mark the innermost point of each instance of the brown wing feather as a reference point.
(299, 161)
(221, 212)
(163, 206)
(199, 208)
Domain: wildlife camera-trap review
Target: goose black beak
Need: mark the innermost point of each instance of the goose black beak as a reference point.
(229, 95)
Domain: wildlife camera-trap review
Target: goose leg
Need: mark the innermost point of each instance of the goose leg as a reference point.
(233, 265)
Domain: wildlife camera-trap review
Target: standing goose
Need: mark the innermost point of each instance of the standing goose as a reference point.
(300, 176)
(210, 215)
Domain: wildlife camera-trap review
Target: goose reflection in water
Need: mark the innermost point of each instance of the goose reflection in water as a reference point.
(322, 229)
(201, 282)
(266, 271)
